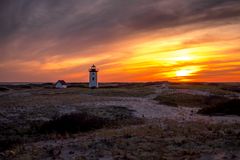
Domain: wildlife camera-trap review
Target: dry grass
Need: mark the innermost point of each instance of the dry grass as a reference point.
(185, 141)
(119, 92)
(25, 127)
(112, 132)
(153, 141)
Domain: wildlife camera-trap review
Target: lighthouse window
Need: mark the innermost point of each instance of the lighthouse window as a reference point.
(93, 78)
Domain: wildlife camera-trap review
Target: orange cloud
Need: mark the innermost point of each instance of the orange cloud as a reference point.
(198, 54)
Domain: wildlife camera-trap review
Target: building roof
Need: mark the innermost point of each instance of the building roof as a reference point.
(62, 82)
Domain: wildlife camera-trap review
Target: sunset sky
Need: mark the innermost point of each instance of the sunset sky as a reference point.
(128, 40)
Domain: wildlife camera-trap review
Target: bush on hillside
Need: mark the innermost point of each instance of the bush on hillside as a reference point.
(230, 107)
(73, 123)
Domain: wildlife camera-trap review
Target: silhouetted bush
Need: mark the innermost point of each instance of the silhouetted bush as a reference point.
(3, 89)
(167, 102)
(77, 85)
(214, 84)
(181, 99)
(232, 89)
(72, 123)
(212, 101)
(230, 107)
(189, 100)
(8, 142)
(18, 87)
(23, 87)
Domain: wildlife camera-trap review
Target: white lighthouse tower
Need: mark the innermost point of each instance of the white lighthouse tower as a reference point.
(93, 83)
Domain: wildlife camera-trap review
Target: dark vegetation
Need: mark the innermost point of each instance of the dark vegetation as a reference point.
(229, 89)
(230, 107)
(65, 124)
(16, 86)
(189, 100)
(232, 88)
(188, 140)
(185, 141)
(73, 123)
(3, 89)
(120, 92)
(9, 142)
(19, 87)
(85, 120)
(79, 85)
(210, 105)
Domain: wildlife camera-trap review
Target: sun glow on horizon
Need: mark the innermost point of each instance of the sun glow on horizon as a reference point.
(183, 73)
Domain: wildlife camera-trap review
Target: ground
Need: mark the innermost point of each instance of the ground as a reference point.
(135, 121)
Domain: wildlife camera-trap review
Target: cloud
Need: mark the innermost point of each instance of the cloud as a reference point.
(33, 30)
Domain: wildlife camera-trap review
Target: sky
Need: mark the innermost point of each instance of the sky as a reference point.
(128, 40)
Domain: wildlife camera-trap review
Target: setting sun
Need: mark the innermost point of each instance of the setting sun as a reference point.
(182, 73)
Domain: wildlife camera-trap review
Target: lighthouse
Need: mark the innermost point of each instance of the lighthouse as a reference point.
(93, 83)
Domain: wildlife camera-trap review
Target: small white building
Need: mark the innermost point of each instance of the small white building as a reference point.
(60, 84)
(93, 79)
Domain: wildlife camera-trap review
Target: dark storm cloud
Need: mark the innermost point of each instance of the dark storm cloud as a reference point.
(34, 29)
(184, 13)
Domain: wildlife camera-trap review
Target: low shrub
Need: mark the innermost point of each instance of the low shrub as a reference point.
(232, 89)
(214, 100)
(230, 107)
(189, 100)
(168, 102)
(177, 99)
(72, 123)
(8, 142)
(3, 89)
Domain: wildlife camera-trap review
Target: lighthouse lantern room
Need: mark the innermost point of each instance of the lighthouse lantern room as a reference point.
(93, 83)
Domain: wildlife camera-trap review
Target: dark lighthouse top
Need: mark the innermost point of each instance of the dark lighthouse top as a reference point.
(93, 69)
